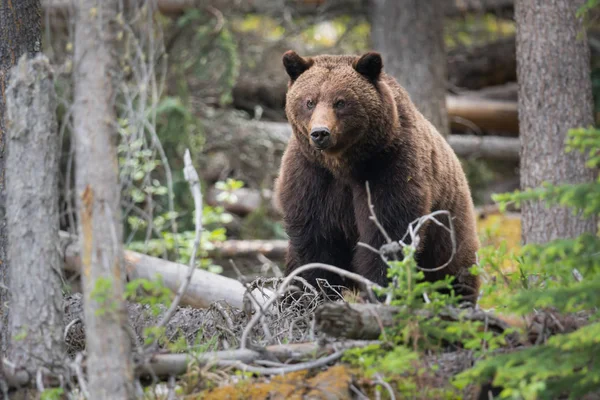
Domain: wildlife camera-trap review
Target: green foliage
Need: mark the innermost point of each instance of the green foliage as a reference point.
(566, 364)
(478, 175)
(103, 294)
(52, 394)
(151, 293)
(212, 56)
(178, 246)
(421, 328)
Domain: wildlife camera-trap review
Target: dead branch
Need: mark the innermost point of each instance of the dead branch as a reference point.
(176, 364)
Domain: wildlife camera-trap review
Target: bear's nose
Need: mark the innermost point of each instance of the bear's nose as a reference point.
(320, 136)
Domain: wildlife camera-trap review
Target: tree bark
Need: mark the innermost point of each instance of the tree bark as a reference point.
(36, 312)
(410, 36)
(555, 95)
(20, 33)
(110, 371)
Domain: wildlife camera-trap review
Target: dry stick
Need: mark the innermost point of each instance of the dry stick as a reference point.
(369, 285)
(191, 176)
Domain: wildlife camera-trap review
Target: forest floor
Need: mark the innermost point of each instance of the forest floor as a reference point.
(281, 338)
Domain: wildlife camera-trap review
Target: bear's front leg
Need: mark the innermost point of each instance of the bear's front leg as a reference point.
(396, 205)
(318, 217)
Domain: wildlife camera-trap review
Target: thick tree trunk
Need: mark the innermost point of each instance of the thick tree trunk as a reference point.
(20, 33)
(36, 311)
(109, 364)
(555, 95)
(410, 36)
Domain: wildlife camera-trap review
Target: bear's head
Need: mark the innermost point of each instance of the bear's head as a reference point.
(336, 102)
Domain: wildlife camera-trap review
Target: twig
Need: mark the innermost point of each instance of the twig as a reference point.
(192, 177)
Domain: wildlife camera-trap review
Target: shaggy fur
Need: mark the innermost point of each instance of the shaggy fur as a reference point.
(377, 135)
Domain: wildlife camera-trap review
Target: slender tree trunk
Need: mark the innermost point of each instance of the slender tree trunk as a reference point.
(555, 95)
(409, 35)
(108, 346)
(20, 33)
(36, 306)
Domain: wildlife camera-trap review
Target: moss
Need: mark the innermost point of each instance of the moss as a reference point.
(331, 384)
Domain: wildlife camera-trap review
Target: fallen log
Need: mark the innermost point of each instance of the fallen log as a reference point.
(486, 147)
(366, 321)
(205, 287)
(476, 113)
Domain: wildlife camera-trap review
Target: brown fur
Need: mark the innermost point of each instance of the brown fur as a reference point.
(380, 137)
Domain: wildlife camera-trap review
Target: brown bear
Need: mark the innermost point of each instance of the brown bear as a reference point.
(353, 123)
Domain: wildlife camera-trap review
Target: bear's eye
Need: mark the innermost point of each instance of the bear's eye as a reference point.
(310, 104)
(340, 104)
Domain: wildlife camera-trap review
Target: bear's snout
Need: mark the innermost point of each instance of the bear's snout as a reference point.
(321, 137)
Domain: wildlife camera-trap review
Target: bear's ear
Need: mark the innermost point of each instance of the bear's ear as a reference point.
(295, 65)
(369, 65)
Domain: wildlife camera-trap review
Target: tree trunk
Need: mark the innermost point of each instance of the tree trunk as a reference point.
(410, 36)
(555, 95)
(36, 311)
(20, 33)
(109, 364)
